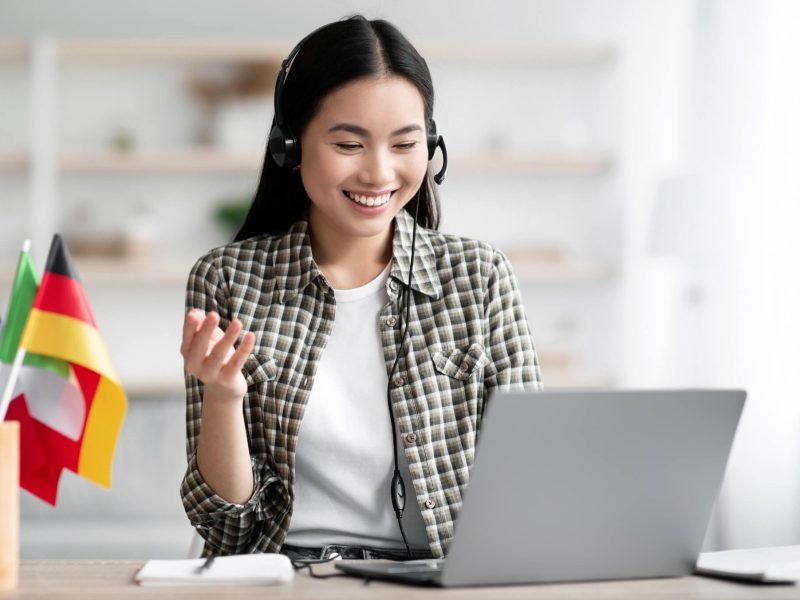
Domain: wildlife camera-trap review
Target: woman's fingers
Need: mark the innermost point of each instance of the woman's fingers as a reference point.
(223, 348)
(237, 360)
(198, 348)
(191, 323)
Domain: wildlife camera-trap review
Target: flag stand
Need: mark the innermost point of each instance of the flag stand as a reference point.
(9, 505)
(11, 382)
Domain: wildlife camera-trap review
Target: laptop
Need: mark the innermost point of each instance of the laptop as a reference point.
(584, 485)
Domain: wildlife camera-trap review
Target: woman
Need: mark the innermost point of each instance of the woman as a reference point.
(341, 288)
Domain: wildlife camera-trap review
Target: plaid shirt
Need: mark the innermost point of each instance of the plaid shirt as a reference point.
(467, 337)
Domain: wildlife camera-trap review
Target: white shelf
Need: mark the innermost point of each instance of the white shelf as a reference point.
(14, 51)
(194, 161)
(13, 162)
(122, 272)
(212, 160)
(563, 274)
(526, 162)
(170, 50)
(142, 50)
(133, 271)
(540, 55)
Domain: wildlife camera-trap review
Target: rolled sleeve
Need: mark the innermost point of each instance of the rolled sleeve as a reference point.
(513, 362)
(226, 527)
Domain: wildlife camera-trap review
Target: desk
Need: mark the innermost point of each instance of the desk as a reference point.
(81, 579)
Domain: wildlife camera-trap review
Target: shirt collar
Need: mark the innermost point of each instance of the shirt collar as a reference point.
(425, 278)
(295, 268)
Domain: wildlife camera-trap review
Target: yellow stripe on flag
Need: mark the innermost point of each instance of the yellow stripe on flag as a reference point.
(78, 342)
(69, 339)
(100, 436)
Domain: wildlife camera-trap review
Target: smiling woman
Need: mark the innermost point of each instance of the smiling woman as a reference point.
(345, 298)
(366, 146)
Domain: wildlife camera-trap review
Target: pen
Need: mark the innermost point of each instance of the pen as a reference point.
(205, 566)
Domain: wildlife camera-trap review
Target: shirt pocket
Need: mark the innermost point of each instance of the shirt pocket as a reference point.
(262, 410)
(259, 368)
(460, 364)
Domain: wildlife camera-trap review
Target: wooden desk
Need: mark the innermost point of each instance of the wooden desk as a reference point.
(114, 579)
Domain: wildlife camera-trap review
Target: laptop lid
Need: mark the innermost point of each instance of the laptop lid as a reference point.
(582, 485)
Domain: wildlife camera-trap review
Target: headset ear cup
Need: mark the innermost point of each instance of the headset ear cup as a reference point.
(432, 139)
(276, 145)
(284, 148)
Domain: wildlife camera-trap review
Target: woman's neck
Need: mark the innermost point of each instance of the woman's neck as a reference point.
(349, 262)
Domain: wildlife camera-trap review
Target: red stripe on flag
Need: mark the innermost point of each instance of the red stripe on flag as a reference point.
(40, 465)
(65, 296)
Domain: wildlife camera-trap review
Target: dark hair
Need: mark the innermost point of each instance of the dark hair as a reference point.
(330, 57)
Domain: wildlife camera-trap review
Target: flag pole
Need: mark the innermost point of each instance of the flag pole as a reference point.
(11, 383)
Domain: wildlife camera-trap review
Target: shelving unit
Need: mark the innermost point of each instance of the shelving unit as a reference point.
(46, 166)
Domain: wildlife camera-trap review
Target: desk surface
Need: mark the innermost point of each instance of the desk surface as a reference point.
(114, 579)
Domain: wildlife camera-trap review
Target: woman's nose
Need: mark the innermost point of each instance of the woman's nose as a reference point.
(378, 168)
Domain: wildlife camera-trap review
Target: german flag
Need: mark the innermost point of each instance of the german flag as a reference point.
(61, 326)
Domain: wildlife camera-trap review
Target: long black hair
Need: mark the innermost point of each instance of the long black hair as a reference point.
(332, 56)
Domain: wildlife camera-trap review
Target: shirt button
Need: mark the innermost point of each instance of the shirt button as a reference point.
(464, 367)
(305, 381)
(393, 285)
(398, 381)
(411, 438)
(391, 322)
(430, 503)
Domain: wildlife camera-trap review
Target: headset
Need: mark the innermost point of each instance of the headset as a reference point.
(284, 148)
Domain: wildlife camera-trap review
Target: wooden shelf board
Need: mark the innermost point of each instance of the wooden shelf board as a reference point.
(163, 162)
(133, 271)
(136, 50)
(541, 55)
(528, 162)
(561, 273)
(170, 50)
(14, 51)
(213, 160)
(13, 162)
(122, 272)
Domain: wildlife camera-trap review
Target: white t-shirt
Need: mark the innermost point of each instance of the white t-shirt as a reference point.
(344, 460)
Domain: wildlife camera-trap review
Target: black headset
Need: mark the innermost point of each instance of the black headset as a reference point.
(284, 147)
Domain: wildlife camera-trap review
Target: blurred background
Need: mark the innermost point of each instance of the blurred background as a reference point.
(637, 161)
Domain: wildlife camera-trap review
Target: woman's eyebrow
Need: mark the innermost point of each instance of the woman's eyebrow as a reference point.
(358, 130)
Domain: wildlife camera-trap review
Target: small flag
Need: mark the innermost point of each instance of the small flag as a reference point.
(69, 401)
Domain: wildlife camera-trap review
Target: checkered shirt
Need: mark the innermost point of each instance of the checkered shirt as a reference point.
(467, 337)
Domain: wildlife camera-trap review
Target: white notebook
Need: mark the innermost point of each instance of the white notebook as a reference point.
(243, 569)
(779, 564)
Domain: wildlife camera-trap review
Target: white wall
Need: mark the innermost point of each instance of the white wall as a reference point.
(706, 187)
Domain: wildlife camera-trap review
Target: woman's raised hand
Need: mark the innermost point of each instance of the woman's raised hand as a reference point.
(210, 355)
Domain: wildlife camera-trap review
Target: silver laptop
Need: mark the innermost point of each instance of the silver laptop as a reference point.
(584, 485)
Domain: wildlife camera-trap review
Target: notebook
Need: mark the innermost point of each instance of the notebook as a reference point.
(584, 485)
(779, 564)
(243, 569)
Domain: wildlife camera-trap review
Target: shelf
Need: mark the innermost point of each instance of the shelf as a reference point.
(121, 272)
(526, 162)
(217, 161)
(141, 50)
(13, 162)
(173, 388)
(196, 161)
(133, 271)
(540, 55)
(548, 266)
(171, 50)
(14, 51)
(563, 274)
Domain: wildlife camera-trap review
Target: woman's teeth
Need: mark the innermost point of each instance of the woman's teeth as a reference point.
(369, 200)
